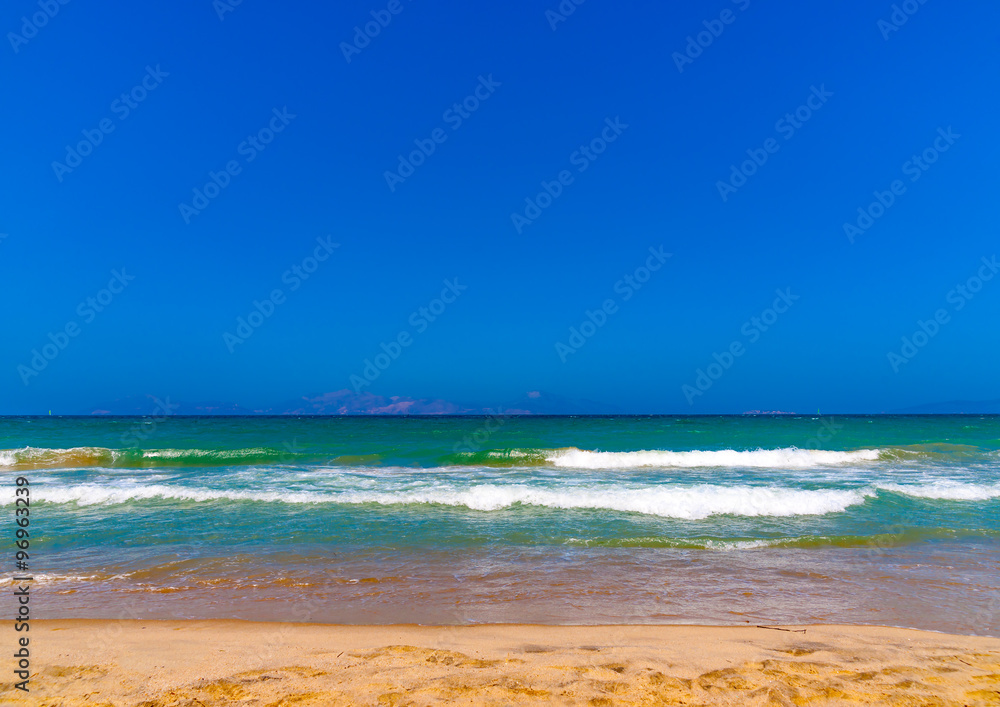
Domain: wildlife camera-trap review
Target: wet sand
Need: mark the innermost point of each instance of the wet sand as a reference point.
(222, 662)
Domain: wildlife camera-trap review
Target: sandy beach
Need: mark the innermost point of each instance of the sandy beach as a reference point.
(166, 663)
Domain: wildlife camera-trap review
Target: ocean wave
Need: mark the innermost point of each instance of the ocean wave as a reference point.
(936, 450)
(114, 494)
(499, 458)
(789, 457)
(946, 490)
(693, 503)
(803, 542)
(42, 578)
(27, 458)
(42, 458)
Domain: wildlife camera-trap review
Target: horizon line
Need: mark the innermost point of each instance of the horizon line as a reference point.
(529, 414)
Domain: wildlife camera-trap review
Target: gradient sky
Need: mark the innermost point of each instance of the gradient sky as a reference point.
(656, 185)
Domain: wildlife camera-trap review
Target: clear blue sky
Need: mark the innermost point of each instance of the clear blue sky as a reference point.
(656, 184)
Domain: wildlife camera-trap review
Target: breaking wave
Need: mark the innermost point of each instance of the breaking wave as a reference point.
(568, 457)
(790, 457)
(668, 501)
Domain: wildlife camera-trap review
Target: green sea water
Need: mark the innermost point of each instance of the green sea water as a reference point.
(880, 519)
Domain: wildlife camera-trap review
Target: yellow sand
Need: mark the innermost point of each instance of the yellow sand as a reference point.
(153, 663)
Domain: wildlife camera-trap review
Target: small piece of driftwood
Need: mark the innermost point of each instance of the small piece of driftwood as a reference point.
(790, 630)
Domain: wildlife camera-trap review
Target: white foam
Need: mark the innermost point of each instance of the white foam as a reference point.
(52, 578)
(946, 490)
(689, 503)
(198, 453)
(110, 494)
(706, 544)
(790, 457)
(692, 503)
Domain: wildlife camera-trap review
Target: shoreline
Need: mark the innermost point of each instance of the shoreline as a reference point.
(224, 661)
(778, 626)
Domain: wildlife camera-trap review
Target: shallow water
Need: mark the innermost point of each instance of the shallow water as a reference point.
(891, 520)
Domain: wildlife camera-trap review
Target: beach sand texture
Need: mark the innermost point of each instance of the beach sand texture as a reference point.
(221, 662)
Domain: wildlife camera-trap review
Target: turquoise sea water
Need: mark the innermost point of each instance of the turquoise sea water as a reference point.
(892, 520)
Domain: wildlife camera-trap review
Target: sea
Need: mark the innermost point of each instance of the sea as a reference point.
(749, 519)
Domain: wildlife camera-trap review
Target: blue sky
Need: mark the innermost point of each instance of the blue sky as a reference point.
(599, 102)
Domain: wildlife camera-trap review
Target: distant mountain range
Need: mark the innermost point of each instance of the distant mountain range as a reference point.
(347, 402)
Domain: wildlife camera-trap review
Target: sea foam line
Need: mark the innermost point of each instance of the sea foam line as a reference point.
(670, 501)
(789, 457)
(693, 502)
(946, 490)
